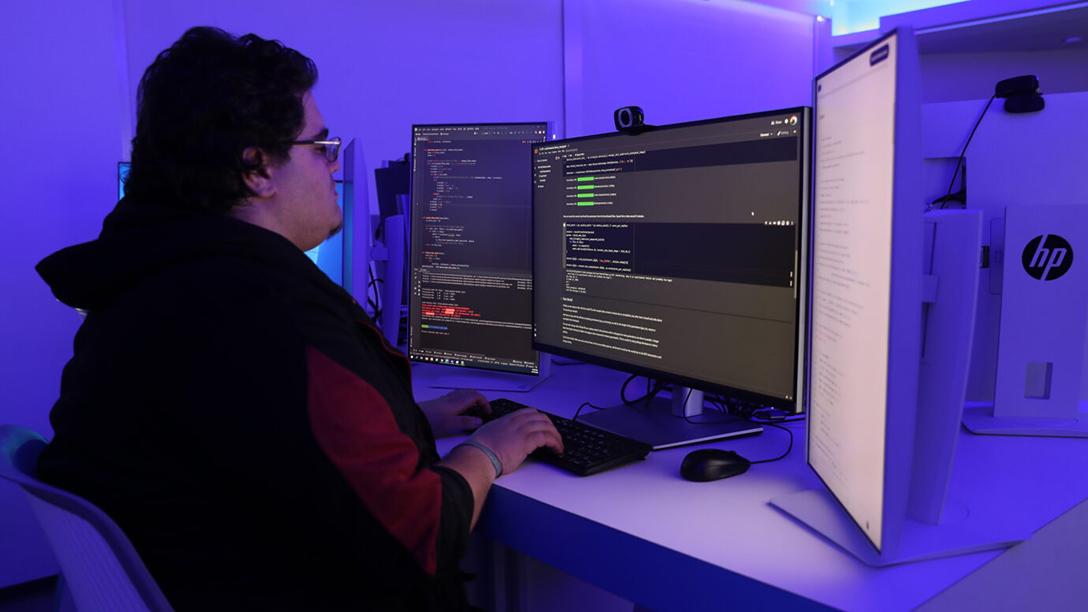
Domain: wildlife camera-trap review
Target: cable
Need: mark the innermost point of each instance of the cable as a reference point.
(703, 422)
(955, 173)
(789, 447)
(684, 407)
(578, 412)
(375, 301)
(623, 390)
(764, 419)
(756, 420)
(651, 391)
(748, 413)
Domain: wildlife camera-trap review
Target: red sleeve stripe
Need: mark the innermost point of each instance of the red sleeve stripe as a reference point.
(355, 428)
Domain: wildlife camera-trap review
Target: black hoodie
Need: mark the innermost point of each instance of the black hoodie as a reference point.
(235, 412)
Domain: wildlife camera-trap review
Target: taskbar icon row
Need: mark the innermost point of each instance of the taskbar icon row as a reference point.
(442, 360)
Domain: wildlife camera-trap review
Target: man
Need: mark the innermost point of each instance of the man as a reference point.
(227, 404)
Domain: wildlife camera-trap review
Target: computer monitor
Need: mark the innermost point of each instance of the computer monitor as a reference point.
(333, 256)
(470, 302)
(867, 232)
(677, 253)
(392, 183)
(122, 176)
(891, 314)
(330, 255)
(391, 180)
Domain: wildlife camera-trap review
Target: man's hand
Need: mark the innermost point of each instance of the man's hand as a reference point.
(447, 413)
(517, 434)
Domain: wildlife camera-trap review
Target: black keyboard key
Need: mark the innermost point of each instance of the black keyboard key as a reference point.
(588, 450)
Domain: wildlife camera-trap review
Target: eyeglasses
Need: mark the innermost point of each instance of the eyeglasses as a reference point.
(330, 147)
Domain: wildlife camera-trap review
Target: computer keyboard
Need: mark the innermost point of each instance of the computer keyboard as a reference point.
(587, 450)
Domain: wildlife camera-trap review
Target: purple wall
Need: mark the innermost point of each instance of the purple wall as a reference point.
(682, 61)
(61, 106)
(949, 77)
(386, 65)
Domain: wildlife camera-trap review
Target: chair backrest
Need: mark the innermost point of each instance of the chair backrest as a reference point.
(100, 567)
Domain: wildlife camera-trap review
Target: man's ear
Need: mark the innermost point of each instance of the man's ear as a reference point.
(257, 174)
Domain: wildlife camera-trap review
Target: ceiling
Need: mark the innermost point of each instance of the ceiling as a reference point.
(1045, 31)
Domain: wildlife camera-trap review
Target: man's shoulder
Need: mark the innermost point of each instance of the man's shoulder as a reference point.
(203, 296)
(210, 282)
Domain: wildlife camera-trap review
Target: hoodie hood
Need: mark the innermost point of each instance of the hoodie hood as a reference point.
(139, 240)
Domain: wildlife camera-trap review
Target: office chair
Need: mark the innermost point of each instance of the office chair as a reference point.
(100, 568)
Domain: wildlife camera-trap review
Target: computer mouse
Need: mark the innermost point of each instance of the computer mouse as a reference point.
(709, 464)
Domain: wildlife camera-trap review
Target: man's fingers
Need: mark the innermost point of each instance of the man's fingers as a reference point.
(481, 401)
(548, 439)
(551, 438)
(461, 400)
(523, 415)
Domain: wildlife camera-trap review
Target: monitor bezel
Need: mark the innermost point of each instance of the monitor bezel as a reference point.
(905, 294)
(804, 181)
(411, 218)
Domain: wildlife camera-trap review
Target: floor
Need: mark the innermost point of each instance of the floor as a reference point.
(33, 596)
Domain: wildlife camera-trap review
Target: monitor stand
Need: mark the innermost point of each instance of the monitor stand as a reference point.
(489, 380)
(665, 423)
(979, 418)
(931, 527)
(960, 533)
(1041, 359)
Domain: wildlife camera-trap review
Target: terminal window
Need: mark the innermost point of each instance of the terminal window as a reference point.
(471, 267)
(677, 250)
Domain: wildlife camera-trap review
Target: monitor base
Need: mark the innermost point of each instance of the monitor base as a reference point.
(656, 424)
(959, 534)
(980, 420)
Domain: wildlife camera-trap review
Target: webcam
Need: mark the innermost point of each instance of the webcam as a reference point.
(630, 120)
(1021, 94)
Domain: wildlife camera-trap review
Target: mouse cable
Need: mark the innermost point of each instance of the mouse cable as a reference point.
(788, 447)
(756, 417)
(757, 421)
(721, 408)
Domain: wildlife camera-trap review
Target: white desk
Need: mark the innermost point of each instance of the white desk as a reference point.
(645, 534)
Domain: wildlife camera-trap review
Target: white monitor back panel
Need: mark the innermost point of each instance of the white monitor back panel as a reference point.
(1013, 161)
(1044, 312)
(866, 284)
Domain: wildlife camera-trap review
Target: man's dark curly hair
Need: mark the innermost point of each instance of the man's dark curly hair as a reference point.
(201, 103)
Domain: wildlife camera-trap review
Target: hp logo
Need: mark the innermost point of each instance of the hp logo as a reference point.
(1047, 257)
